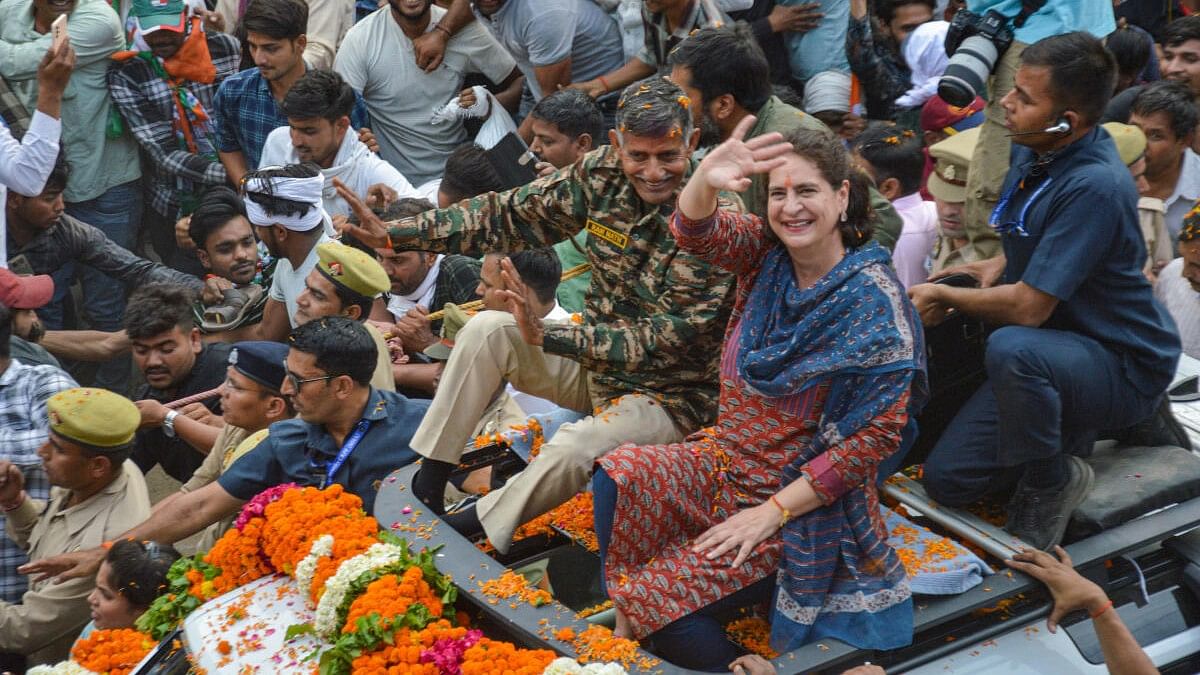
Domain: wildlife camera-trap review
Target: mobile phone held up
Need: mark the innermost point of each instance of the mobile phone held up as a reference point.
(58, 29)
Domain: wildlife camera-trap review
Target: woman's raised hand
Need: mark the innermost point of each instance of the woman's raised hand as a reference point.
(730, 165)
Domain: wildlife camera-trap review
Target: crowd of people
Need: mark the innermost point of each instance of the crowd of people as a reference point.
(267, 233)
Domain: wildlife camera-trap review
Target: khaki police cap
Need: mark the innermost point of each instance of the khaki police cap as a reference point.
(952, 159)
(1130, 141)
(93, 417)
(352, 269)
(453, 319)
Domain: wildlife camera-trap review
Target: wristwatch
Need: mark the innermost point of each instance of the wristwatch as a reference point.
(168, 425)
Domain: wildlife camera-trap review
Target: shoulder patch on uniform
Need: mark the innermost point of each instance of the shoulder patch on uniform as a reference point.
(607, 234)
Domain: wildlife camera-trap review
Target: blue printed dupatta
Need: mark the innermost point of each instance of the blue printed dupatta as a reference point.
(856, 331)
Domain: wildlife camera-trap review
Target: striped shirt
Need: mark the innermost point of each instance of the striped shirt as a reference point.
(24, 391)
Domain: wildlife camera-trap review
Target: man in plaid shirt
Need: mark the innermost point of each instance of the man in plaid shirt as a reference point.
(164, 88)
(246, 104)
(24, 391)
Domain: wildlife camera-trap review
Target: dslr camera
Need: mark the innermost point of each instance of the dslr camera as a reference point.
(975, 43)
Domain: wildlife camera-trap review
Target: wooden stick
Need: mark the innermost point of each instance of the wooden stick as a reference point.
(478, 304)
(194, 398)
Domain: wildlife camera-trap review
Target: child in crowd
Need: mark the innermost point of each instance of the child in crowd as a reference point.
(893, 158)
(132, 575)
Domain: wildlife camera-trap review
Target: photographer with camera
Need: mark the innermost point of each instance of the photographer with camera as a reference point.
(1081, 345)
(985, 42)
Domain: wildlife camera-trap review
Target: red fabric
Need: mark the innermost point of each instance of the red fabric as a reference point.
(670, 494)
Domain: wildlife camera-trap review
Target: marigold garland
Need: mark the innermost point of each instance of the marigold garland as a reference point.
(300, 516)
(113, 652)
(391, 596)
(488, 657)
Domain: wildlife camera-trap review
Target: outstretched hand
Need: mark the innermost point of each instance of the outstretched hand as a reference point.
(1071, 591)
(516, 295)
(730, 165)
(66, 566)
(371, 230)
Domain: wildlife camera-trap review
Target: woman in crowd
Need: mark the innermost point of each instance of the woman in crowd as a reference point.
(823, 366)
(132, 575)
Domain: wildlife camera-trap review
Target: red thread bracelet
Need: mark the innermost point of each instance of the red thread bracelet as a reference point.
(605, 83)
(1108, 605)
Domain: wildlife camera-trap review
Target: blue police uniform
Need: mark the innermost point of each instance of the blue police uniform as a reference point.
(298, 452)
(1108, 351)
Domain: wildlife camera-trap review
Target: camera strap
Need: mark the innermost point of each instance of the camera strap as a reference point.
(1028, 9)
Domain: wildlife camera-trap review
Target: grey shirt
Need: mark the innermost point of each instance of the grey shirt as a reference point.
(541, 33)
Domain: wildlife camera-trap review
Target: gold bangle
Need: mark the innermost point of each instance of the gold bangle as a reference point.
(785, 515)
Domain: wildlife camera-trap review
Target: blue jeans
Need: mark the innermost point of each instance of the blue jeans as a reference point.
(1047, 392)
(698, 640)
(118, 213)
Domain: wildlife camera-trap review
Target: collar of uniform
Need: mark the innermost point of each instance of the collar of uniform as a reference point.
(1188, 184)
(1059, 163)
(80, 516)
(10, 375)
(374, 410)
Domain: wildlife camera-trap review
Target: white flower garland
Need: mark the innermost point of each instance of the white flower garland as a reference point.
(306, 569)
(379, 555)
(60, 668)
(567, 666)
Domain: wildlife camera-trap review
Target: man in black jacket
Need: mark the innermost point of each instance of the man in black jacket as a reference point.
(41, 239)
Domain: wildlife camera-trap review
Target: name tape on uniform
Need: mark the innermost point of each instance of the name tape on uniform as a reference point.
(607, 234)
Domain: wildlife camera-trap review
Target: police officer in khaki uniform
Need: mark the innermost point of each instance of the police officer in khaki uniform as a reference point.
(948, 185)
(97, 494)
(346, 281)
(1152, 211)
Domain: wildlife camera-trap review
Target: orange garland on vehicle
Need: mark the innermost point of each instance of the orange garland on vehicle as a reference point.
(113, 652)
(489, 657)
(404, 654)
(239, 556)
(300, 516)
(391, 596)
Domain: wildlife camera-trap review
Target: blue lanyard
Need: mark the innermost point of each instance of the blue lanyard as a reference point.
(348, 447)
(1016, 227)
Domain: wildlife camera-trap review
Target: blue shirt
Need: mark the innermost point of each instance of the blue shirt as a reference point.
(1054, 18)
(246, 113)
(824, 47)
(1084, 246)
(298, 452)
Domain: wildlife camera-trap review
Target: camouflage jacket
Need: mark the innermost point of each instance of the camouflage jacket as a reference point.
(654, 315)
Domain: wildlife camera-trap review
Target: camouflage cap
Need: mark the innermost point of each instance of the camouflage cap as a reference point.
(453, 319)
(352, 269)
(94, 417)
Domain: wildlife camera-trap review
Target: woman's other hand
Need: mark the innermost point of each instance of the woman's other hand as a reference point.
(741, 532)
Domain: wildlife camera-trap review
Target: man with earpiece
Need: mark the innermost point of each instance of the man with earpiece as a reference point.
(1080, 346)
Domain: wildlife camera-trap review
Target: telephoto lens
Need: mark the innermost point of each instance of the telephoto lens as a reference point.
(967, 71)
(975, 44)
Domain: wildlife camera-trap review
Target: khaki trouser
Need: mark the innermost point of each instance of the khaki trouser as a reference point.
(989, 164)
(489, 351)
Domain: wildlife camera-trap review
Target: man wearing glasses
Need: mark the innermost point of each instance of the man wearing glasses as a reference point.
(347, 432)
(1081, 346)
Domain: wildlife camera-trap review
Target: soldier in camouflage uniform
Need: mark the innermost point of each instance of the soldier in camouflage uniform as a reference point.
(643, 360)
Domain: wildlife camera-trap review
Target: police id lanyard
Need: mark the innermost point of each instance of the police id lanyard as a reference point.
(348, 447)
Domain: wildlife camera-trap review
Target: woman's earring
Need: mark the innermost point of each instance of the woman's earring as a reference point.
(843, 215)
